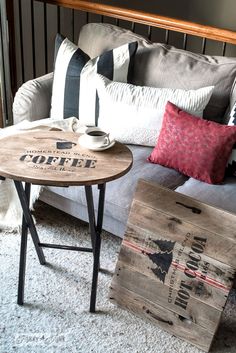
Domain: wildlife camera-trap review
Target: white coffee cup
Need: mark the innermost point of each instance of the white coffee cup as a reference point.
(97, 137)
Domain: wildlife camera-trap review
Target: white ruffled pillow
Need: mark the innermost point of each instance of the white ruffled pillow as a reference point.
(133, 114)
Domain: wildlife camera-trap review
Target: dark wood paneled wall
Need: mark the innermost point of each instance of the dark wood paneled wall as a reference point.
(36, 25)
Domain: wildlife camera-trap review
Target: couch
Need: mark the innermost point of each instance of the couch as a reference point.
(155, 65)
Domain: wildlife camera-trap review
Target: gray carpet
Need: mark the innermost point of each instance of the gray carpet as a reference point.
(55, 317)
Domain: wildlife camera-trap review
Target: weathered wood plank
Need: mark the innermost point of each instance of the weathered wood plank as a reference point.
(187, 209)
(198, 312)
(164, 318)
(191, 250)
(213, 293)
(175, 228)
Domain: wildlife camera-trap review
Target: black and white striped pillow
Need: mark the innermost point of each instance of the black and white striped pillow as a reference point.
(231, 167)
(232, 119)
(74, 92)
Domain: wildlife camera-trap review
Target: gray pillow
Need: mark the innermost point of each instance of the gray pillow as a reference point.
(96, 38)
(163, 66)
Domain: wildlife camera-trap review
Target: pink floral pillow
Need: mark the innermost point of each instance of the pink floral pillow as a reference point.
(196, 147)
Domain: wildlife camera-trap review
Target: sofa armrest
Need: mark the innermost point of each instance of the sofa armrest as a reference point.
(33, 99)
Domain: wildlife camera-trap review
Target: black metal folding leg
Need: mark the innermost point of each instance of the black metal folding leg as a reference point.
(27, 223)
(23, 249)
(24, 200)
(95, 232)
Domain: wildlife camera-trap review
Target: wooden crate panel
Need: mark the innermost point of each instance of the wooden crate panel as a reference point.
(200, 288)
(164, 318)
(212, 219)
(173, 227)
(154, 291)
(178, 261)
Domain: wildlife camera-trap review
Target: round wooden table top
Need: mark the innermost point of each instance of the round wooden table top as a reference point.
(56, 158)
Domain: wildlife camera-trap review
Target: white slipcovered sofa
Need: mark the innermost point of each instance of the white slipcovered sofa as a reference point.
(155, 65)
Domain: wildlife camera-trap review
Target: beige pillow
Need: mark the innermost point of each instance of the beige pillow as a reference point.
(160, 65)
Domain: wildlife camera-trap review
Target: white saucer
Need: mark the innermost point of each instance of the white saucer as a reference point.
(82, 141)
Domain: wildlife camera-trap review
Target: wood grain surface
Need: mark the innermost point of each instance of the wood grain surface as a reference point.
(177, 263)
(56, 158)
(161, 316)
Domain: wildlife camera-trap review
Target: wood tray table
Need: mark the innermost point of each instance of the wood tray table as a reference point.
(55, 158)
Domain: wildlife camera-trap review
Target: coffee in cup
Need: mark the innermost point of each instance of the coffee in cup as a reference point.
(97, 137)
(62, 145)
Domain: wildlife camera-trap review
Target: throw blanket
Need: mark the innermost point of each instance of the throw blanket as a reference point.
(10, 208)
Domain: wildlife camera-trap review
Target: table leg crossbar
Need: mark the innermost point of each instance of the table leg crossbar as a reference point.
(65, 247)
(95, 226)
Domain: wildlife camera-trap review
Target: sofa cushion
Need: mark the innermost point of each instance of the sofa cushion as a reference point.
(119, 193)
(160, 65)
(133, 114)
(193, 146)
(222, 196)
(73, 93)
